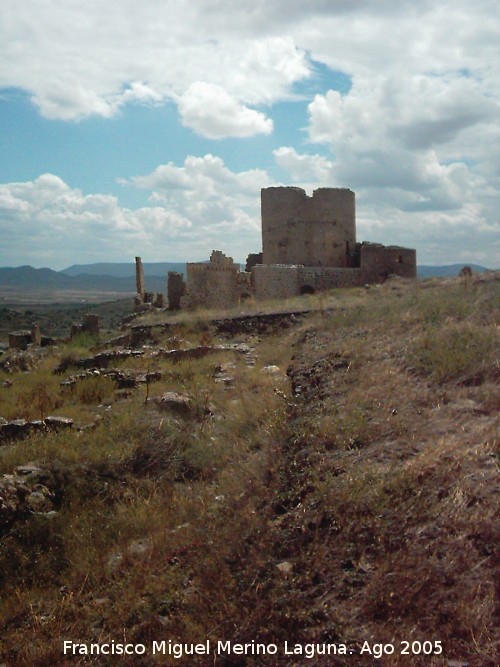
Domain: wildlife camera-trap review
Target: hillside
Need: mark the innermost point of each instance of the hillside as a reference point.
(23, 278)
(447, 271)
(325, 476)
(124, 269)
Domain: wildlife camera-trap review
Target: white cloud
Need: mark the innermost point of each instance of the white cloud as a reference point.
(223, 206)
(421, 145)
(61, 222)
(212, 112)
(194, 208)
(443, 218)
(82, 59)
(304, 168)
(417, 135)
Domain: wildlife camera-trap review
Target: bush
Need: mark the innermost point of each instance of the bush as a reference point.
(94, 390)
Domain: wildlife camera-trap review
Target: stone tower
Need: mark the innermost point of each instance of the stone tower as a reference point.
(317, 231)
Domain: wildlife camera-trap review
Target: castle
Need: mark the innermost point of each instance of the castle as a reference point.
(308, 245)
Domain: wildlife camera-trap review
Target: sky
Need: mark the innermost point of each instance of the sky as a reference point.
(149, 128)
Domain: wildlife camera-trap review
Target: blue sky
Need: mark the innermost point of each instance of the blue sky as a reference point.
(151, 130)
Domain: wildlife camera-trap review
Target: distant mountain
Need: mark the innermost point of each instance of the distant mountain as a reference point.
(446, 271)
(124, 269)
(45, 279)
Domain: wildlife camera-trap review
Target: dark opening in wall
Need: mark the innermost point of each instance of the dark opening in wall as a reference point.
(245, 296)
(400, 259)
(307, 289)
(353, 255)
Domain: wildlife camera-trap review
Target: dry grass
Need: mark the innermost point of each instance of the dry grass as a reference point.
(375, 482)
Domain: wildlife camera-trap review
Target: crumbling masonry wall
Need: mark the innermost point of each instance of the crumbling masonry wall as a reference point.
(213, 284)
(176, 288)
(274, 281)
(284, 281)
(379, 261)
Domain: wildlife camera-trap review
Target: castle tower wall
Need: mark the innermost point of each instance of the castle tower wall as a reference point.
(313, 231)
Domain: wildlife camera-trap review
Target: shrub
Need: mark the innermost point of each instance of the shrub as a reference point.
(83, 340)
(94, 390)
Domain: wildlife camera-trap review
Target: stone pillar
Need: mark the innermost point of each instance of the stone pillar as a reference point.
(139, 277)
(91, 324)
(36, 336)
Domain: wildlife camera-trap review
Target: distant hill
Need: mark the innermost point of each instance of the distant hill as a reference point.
(446, 271)
(124, 269)
(37, 280)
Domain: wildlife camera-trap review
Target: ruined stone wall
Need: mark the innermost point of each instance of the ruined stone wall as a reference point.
(212, 286)
(176, 288)
(313, 231)
(275, 281)
(379, 261)
(320, 279)
(252, 260)
(244, 286)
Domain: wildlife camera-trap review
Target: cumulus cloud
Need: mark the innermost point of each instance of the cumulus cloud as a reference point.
(416, 135)
(212, 112)
(194, 208)
(415, 145)
(304, 168)
(444, 218)
(61, 221)
(223, 206)
(79, 60)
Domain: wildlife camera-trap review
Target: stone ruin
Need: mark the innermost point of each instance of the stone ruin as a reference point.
(22, 339)
(176, 289)
(19, 340)
(308, 245)
(89, 325)
(143, 298)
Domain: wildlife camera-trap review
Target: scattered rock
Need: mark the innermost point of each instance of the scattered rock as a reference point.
(58, 423)
(222, 373)
(178, 403)
(20, 361)
(271, 370)
(39, 500)
(101, 360)
(26, 491)
(140, 547)
(285, 568)
(17, 429)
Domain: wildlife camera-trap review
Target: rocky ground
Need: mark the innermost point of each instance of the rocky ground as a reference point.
(55, 319)
(324, 475)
